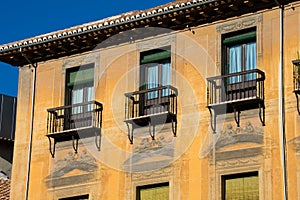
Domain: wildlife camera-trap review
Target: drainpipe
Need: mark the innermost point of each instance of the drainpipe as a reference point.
(281, 101)
(34, 66)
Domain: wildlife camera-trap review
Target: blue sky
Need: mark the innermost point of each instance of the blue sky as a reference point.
(24, 19)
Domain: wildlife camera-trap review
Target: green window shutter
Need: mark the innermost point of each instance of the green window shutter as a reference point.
(242, 188)
(239, 38)
(81, 77)
(152, 58)
(155, 193)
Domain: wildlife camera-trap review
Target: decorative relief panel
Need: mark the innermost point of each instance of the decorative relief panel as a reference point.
(237, 162)
(230, 136)
(295, 143)
(248, 133)
(151, 154)
(85, 59)
(238, 150)
(155, 43)
(70, 170)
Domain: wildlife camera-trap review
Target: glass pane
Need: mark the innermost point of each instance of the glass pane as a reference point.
(77, 97)
(81, 76)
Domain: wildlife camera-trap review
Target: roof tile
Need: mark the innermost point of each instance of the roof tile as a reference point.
(4, 189)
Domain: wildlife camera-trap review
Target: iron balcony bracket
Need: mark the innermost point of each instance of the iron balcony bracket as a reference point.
(75, 143)
(52, 147)
(151, 133)
(174, 127)
(151, 128)
(213, 120)
(98, 139)
(130, 132)
(262, 114)
(237, 114)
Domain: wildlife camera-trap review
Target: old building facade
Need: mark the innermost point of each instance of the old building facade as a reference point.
(181, 101)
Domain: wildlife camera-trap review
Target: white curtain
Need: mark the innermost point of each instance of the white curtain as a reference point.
(77, 97)
(235, 63)
(166, 77)
(90, 96)
(250, 59)
(152, 80)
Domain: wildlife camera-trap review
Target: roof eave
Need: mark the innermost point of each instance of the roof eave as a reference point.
(175, 16)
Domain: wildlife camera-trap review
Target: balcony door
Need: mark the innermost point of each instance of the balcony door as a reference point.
(239, 55)
(79, 91)
(155, 73)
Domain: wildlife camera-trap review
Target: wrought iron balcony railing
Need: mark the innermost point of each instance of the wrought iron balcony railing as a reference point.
(296, 75)
(148, 102)
(151, 107)
(72, 117)
(75, 121)
(236, 87)
(236, 92)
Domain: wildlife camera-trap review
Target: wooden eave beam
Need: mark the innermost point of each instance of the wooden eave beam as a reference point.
(249, 3)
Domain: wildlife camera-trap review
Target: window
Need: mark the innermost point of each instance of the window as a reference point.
(79, 91)
(153, 192)
(155, 70)
(240, 186)
(80, 86)
(239, 54)
(82, 197)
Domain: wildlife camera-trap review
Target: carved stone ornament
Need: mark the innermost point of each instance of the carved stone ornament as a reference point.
(248, 133)
(295, 143)
(84, 162)
(239, 24)
(151, 154)
(229, 136)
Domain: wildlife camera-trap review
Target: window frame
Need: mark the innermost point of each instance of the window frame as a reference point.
(242, 38)
(240, 83)
(159, 62)
(160, 98)
(69, 89)
(85, 196)
(76, 117)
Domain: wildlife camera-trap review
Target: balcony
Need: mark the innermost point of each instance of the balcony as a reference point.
(296, 81)
(236, 92)
(73, 122)
(151, 107)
